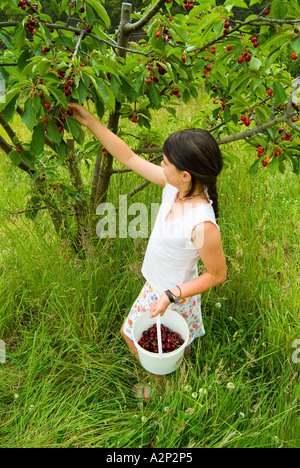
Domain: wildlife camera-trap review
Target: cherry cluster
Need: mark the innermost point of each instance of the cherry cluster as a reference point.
(226, 28)
(74, 5)
(262, 151)
(160, 69)
(175, 92)
(166, 36)
(59, 120)
(23, 5)
(31, 25)
(188, 4)
(134, 117)
(170, 340)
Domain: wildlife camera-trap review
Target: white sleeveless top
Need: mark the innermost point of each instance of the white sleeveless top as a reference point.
(171, 257)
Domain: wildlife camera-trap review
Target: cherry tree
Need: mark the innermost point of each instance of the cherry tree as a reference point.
(66, 52)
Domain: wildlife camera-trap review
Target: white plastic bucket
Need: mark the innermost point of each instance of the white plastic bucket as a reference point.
(161, 363)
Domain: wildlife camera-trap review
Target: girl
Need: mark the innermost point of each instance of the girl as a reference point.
(185, 229)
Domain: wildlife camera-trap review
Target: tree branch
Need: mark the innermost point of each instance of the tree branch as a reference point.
(58, 27)
(253, 131)
(139, 188)
(6, 147)
(131, 27)
(260, 21)
(296, 82)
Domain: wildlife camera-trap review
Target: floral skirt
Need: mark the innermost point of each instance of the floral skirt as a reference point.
(189, 308)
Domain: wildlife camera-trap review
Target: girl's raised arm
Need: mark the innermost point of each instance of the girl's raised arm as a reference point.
(117, 147)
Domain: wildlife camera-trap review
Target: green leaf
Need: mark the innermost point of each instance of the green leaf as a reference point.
(154, 96)
(101, 12)
(10, 109)
(104, 92)
(255, 64)
(115, 85)
(6, 40)
(29, 114)
(61, 149)
(254, 168)
(273, 165)
(20, 36)
(15, 157)
(53, 132)
(138, 83)
(23, 59)
(186, 96)
(278, 9)
(229, 4)
(90, 16)
(227, 114)
(38, 140)
(262, 114)
(28, 159)
(75, 129)
(82, 92)
(6, 98)
(65, 41)
(295, 44)
(279, 94)
(59, 95)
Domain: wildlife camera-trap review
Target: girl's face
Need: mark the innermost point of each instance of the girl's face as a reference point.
(173, 175)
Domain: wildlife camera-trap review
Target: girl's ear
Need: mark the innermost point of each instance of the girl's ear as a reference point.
(187, 176)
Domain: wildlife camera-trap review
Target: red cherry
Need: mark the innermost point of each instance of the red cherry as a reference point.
(270, 92)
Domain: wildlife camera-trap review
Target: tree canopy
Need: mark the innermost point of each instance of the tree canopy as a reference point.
(244, 55)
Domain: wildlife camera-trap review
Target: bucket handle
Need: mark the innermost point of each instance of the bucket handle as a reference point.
(158, 329)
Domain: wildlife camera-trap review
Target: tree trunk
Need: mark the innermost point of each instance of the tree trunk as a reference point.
(105, 167)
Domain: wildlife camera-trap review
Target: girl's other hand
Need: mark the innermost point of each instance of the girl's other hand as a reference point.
(83, 116)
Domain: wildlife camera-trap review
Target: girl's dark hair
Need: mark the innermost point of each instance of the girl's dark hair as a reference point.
(197, 152)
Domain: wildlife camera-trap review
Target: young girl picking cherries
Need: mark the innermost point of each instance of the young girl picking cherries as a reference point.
(185, 229)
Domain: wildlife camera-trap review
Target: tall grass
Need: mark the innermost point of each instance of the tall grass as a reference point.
(68, 376)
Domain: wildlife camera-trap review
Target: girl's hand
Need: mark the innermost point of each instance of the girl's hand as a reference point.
(83, 116)
(159, 306)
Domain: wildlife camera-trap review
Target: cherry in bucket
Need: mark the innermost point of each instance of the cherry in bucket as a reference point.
(170, 340)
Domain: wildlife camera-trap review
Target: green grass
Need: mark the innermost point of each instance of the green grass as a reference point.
(68, 377)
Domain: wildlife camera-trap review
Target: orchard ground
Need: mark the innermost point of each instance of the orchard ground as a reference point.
(67, 378)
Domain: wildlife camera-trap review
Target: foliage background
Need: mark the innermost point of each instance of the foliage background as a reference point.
(68, 378)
